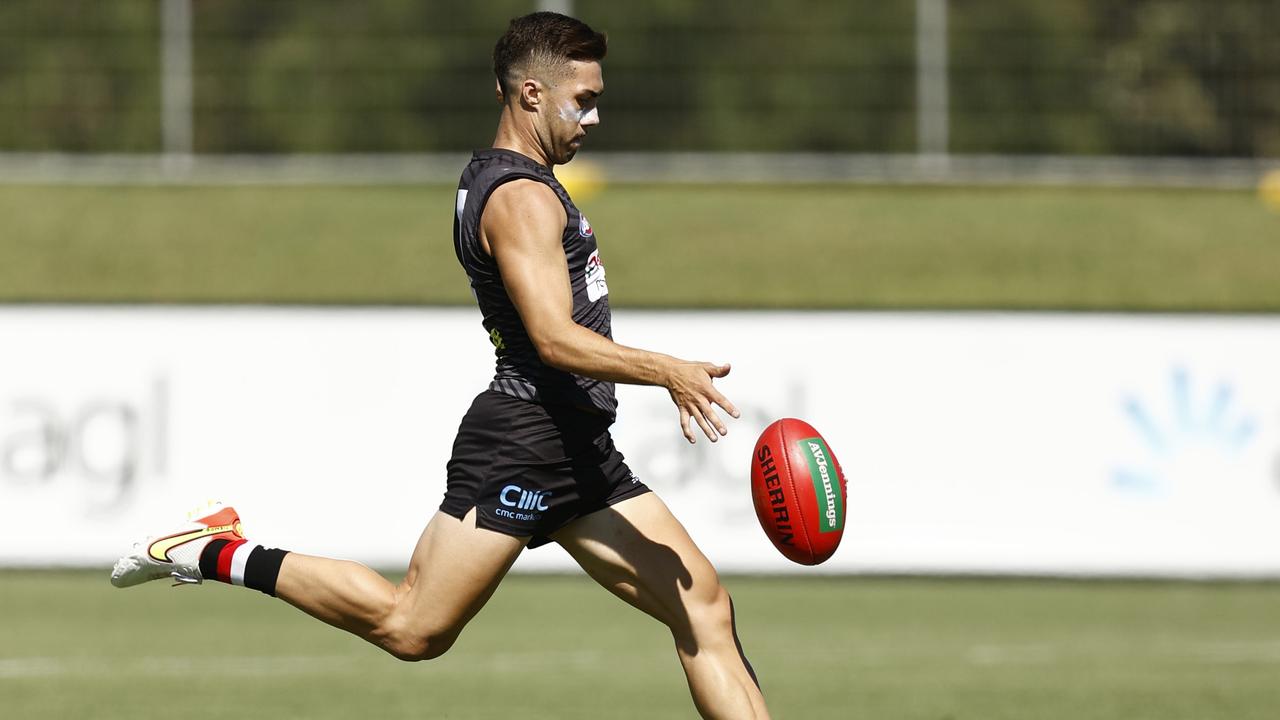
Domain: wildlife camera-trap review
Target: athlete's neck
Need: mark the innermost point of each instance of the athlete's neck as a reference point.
(519, 137)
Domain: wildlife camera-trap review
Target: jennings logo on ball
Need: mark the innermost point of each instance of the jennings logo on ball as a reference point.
(825, 484)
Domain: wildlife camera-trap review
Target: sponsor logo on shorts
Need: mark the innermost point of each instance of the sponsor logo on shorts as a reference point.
(528, 504)
(825, 479)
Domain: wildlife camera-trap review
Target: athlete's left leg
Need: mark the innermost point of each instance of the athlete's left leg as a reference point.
(639, 551)
(455, 568)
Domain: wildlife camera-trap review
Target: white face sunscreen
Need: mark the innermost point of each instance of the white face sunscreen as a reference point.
(569, 113)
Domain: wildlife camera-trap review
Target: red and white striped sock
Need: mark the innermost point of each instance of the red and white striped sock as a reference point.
(236, 562)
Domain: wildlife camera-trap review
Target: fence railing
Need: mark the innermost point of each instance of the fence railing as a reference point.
(614, 167)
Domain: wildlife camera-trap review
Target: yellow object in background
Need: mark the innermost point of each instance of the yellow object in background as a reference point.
(1269, 190)
(582, 178)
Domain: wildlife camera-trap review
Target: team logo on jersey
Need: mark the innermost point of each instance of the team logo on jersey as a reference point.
(584, 227)
(596, 286)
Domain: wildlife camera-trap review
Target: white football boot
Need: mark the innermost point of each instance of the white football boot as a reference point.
(177, 554)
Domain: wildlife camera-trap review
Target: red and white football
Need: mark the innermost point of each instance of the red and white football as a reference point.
(799, 491)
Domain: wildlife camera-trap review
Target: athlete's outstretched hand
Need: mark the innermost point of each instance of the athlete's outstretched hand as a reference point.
(691, 390)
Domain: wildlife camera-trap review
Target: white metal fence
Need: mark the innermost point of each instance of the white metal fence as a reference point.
(718, 168)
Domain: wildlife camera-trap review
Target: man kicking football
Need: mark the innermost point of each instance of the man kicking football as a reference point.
(533, 461)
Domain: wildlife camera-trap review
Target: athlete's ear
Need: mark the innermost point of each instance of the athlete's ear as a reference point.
(497, 91)
(531, 92)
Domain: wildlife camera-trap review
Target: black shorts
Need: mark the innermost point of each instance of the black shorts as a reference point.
(531, 469)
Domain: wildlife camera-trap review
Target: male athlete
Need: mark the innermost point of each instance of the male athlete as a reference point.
(533, 461)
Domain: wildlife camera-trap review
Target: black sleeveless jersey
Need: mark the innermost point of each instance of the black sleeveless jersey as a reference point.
(520, 372)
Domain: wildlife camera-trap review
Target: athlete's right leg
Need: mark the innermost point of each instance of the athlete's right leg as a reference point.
(640, 552)
(454, 571)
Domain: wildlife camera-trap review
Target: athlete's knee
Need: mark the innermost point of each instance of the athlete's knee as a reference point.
(414, 642)
(412, 647)
(710, 614)
(417, 649)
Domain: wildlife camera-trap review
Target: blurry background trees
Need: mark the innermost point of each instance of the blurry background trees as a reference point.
(1145, 77)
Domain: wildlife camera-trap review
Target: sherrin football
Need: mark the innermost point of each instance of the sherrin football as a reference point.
(799, 491)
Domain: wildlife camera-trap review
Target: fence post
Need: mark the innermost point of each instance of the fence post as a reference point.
(175, 83)
(932, 102)
(564, 7)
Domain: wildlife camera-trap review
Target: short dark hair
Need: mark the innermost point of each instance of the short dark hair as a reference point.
(544, 39)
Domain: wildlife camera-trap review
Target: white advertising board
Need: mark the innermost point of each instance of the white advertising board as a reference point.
(973, 443)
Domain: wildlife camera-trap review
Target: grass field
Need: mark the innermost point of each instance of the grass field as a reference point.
(558, 648)
(754, 246)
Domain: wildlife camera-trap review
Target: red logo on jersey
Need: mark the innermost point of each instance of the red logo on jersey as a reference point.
(584, 227)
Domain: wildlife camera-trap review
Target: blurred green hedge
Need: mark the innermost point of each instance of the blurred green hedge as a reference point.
(1185, 77)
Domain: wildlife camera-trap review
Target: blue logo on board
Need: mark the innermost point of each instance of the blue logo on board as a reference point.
(1194, 430)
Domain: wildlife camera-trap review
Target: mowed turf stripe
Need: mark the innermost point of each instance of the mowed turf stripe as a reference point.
(1261, 653)
(765, 246)
(256, 665)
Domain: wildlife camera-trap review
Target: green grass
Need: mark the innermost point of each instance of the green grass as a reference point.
(665, 246)
(560, 648)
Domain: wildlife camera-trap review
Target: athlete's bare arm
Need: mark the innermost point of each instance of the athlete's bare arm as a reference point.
(521, 228)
